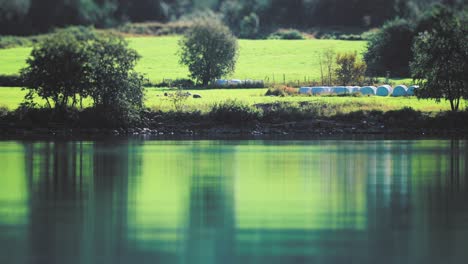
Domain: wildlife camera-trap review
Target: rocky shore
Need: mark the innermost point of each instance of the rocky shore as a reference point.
(307, 128)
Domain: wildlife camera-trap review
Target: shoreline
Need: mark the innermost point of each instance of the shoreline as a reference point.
(302, 129)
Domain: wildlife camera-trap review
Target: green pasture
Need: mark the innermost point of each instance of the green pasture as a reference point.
(258, 59)
(11, 97)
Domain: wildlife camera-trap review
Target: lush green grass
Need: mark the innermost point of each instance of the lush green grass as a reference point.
(155, 99)
(11, 97)
(12, 60)
(258, 59)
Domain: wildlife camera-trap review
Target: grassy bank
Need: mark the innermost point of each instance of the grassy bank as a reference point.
(240, 111)
(11, 97)
(258, 59)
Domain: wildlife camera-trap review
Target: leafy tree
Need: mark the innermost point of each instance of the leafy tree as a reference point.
(114, 84)
(79, 63)
(210, 51)
(440, 62)
(390, 49)
(350, 69)
(58, 67)
(249, 26)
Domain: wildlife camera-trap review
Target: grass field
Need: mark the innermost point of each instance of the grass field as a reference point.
(12, 97)
(258, 59)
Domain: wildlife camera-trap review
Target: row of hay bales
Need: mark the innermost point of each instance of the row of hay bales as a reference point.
(384, 90)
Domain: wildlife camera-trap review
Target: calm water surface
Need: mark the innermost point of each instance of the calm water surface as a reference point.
(234, 202)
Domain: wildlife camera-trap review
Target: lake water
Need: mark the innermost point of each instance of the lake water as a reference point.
(332, 201)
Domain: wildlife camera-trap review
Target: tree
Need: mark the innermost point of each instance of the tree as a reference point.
(115, 84)
(327, 66)
(249, 26)
(390, 49)
(350, 69)
(210, 51)
(440, 62)
(57, 70)
(78, 63)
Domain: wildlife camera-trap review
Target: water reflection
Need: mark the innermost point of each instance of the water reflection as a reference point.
(234, 201)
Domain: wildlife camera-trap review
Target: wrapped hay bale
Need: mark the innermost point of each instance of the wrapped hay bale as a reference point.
(321, 90)
(355, 89)
(305, 90)
(384, 90)
(400, 90)
(221, 83)
(368, 90)
(341, 90)
(411, 90)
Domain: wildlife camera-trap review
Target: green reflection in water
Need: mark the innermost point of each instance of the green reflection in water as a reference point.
(13, 185)
(234, 201)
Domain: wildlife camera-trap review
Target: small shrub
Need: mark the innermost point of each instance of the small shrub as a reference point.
(281, 111)
(350, 69)
(3, 110)
(177, 83)
(183, 83)
(234, 112)
(406, 117)
(10, 81)
(288, 34)
(249, 26)
(281, 91)
(178, 99)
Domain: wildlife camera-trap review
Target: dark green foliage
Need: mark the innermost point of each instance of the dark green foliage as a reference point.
(350, 69)
(406, 117)
(210, 51)
(389, 49)
(249, 26)
(234, 112)
(289, 34)
(10, 81)
(37, 16)
(440, 62)
(3, 111)
(282, 91)
(58, 69)
(77, 63)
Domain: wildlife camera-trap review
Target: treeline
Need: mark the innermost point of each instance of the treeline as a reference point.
(37, 16)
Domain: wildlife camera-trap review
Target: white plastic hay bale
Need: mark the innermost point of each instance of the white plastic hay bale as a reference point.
(221, 83)
(321, 90)
(235, 82)
(368, 90)
(411, 90)
(400, 90)
(341, 90)
(305, 90)
(355, 89)
(384, 90)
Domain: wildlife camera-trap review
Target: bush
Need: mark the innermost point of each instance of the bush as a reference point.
(282, 91)
(440, 63)
(12, 41)
(404, 118)
(210, 51)
(282, 111)
(288, 34)
(249, 26)
(11, 81)
(77, 63)
(234, 112)
(390, 49)
(3, 111)
(350, 69)
(178, 99)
